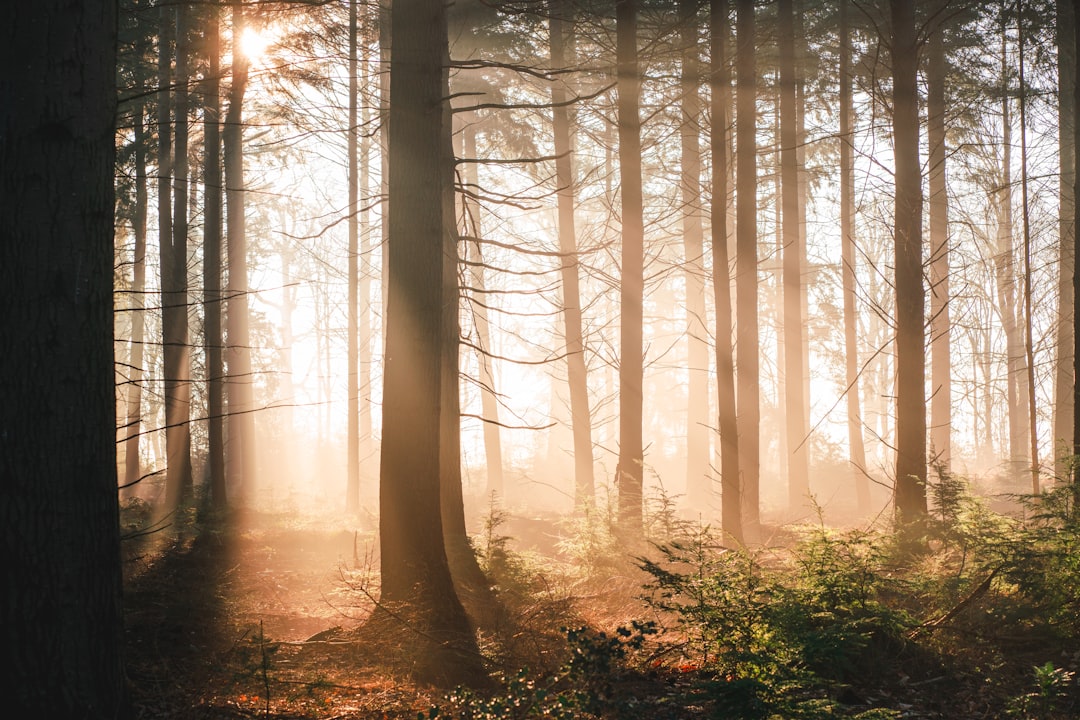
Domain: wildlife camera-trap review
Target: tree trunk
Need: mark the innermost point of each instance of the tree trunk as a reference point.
(580, 414)
(489, 401)
(133, 425)
(940, 322)
(698, 477)
(212, 240)
(856, 448)
(746, 278)
(60, 614)
(795, 409)
(414, 569)
(730, 487)
(1063, 395)
(910, 492)
(1029, 348)
(352, 490)
(241, 458)
(630, 471)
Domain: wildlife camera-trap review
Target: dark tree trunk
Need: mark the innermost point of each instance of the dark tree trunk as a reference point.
(241, 457)
(746, 278)
(60, 612)
(795, 409)
(730, 487)
(630, 472)
(580, 414)
(174, 295)
(910, 487)
(352, 489)
(133, 425)
(940, 322)
(212, 245)
(414, 569)
(1063, 394)
(856, 448)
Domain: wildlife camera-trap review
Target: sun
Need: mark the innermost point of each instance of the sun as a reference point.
(254, 43)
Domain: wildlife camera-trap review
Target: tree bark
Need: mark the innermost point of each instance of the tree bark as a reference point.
(910, 489)
(212, 245)
(940, 321)
(352, 490)
(630, 471)
(133, 425)
(856, 447)
(730, 486)
(1063, 395)
(746, 279)
(795, 409)
(414, 569)
(60, 612)
(576, 370)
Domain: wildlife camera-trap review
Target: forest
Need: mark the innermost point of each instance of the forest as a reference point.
(539, 359)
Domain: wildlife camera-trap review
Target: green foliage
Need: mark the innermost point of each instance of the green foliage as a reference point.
(1048, 700)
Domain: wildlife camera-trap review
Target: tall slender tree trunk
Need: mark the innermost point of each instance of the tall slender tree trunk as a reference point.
(60, 612)
(1029, 346)
(1063, 396)
(940, 321)
(489, 402)
(580, 414)
(352, 491)
(730, 486)
(414, 568)
(241, 458)
(698, 477)
(212, 245)
(856, 447)
(1076, 276)
(746, 280)
(630, 472)
(133, 425)
(910, 490)
(365, 332)
(795, 409)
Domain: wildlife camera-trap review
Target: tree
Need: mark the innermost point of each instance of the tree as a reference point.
(1063, 409)
(910, 489)
(856, 448)
(698, 479)
(414, 569)
(580, 416)
(352, 490)
(746, 279)
(630, 472)
(730, 486)
(212, 240)
(61, 613)
(940, 321)
(795, 409)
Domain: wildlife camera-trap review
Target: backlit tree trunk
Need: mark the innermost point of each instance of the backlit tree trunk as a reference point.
(630, 471)
(910, 489)
(414, 569)
(730, 486)
(133, 426)
(60, 612)
(352, 490)
(1063, 394)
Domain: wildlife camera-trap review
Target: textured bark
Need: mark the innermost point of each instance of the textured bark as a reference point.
(698, 477)
(730, 487)
(352, 488)
(580, 414)
(856, 448)
(212, 246)
(795, 409)
(414, 569)
(133, 426)
(60, 610)
(630, 472)
(746, 277)
(240, 465)
(910, 489)
(174, 292)
(1063, 394)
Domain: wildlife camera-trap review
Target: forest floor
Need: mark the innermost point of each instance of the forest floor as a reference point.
(258, 617)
